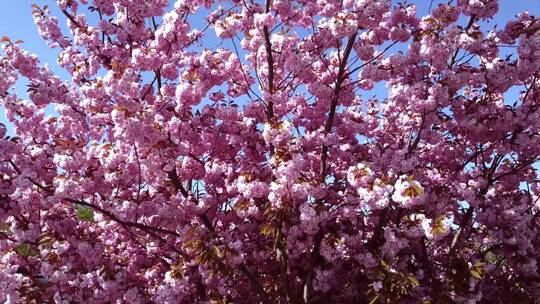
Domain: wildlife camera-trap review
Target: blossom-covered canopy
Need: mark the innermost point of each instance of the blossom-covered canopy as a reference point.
(251, 157)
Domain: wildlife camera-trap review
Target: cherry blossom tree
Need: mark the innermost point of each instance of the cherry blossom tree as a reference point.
(252, 159)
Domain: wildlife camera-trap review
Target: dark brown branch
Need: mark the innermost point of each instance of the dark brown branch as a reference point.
(428, 266)
(370, 60)
(138, 173)
(7, 237)
(466, 30)
(40, 186)
(308, 284)
(464, 224)
(173, 176)
(253, 280)
(177, 184)
(110, 215)
(334, 101)
(73, 20)
(270, 62)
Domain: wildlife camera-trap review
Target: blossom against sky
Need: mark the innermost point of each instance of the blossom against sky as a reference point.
(16, 23)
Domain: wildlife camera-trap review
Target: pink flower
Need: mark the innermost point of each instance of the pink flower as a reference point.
(263, 20)
(408, 192)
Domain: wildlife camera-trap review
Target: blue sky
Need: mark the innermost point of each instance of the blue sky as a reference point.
(16, 22)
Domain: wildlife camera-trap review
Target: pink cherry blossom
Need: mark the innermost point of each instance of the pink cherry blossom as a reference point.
(284, 151)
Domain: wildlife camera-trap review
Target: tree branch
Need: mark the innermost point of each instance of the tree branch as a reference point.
(335, 97)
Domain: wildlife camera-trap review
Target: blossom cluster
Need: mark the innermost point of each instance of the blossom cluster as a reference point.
(261, 168)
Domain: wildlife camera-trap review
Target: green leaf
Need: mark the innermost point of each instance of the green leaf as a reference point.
(477, 271)
(475, 274)
(26, 250)
(414, 281)
(5, 227)
(374, 299)
(384, 265)
(85, 213)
